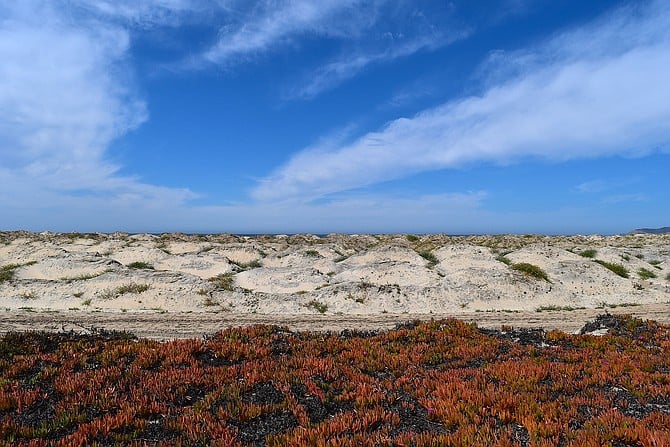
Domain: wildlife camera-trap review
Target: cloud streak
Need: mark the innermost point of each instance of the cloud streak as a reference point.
(270, 25)
(366, 33)
(139, 14)
(589, 92)
(347, 67)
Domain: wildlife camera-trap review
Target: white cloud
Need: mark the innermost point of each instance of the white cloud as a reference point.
(145, 13)
(593, 186)
(596, 91)
(366, 33)
(269, 25)
(65, 95)
(348, 66)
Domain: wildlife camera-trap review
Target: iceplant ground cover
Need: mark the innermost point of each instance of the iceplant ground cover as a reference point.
(442, 382)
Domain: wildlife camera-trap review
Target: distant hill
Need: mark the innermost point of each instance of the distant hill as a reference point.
(663, 230)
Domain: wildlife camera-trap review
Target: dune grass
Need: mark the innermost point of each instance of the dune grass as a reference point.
(123, 289)
(140, 265)
(224, 281)
(318, 306)
(616, 268)
(7, 271)
(589, 253)
(504, 259)
(643, 273)
(430, 257)
(530, 270)
(247, 265)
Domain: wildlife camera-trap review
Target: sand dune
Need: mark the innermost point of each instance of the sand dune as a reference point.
(336, 274)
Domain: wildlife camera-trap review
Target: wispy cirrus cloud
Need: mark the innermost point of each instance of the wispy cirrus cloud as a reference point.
(589, 92)
(365, 33)
(147, 13)
(266, 26)
(348, 66)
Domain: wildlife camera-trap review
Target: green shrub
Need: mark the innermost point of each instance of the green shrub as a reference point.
(318, 306)
(312, 253)
(530, 270)
(430, 257)
(224, 281)
(616, 268)
(7, 271)
(140, 265)
(590, 253)
(132, 288)
(553, 308)
(643, 273)
(504, 259)
(656, 263)
(85, 276)
(209, 302)
(412, 238)
(248, 265)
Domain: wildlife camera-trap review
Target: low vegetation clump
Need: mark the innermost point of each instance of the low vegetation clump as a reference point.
(412, 238)
(224, 281)
(312, 253)
(589, 253)
(656, 263)
(318, 306)
(531, 270)
(140, 265)
(430, 257)
(132, 288)
(123, 289)
(209, 302)
(504, 259)
(7, 271)
(643, 273)
(553, 308)
(616, 268)
(604, 305)
(424, 384)
(248, 265)
(84, 276)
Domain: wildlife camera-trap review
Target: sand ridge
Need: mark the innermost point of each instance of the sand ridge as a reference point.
(334, 274)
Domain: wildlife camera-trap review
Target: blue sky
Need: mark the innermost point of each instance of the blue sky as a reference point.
(510, 116)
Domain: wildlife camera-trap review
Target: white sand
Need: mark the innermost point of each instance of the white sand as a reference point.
(303, 274)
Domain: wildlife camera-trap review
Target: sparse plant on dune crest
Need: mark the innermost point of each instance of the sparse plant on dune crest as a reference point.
(616, 268)
(530, 270)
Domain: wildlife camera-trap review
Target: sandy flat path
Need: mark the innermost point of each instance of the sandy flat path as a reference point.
(165, 326)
